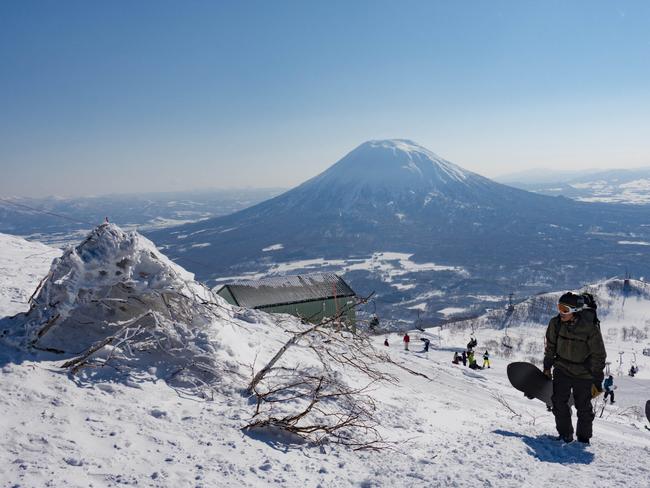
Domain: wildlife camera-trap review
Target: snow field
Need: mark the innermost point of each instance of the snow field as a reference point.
(450, 428)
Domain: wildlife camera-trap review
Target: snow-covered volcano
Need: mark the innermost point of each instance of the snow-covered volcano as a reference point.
(396, 165)
(393, 197)
(395, 175)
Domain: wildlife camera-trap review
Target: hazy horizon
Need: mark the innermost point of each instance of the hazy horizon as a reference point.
(160, 96)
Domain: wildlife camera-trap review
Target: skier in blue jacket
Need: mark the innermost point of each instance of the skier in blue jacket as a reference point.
(608, 385)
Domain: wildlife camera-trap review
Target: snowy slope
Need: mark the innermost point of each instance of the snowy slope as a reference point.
(449, 425)
(22, 265)
(623, 310)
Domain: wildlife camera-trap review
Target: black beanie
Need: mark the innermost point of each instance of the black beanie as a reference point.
(570, 299)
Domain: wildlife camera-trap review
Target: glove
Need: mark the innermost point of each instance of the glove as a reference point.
(547, 373)
(597, 386)
(595, 391)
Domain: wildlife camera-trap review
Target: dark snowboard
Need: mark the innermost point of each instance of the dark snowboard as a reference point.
(647, 410)
(528, 378)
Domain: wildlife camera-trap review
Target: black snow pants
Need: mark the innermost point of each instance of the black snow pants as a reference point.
(563, 384)
(609, 393)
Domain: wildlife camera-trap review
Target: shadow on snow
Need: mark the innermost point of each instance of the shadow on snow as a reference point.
(549, 450)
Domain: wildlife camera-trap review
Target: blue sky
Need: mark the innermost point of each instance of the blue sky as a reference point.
(99, 97)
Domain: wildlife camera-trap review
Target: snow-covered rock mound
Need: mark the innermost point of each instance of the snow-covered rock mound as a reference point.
(115, 300)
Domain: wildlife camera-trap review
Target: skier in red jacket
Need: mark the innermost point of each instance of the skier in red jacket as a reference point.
(406, 339)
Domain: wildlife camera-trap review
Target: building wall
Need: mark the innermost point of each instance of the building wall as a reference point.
(225, 293)
(311, 311)
(317, 310)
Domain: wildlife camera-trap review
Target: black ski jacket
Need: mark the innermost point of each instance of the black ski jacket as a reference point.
(576, 346)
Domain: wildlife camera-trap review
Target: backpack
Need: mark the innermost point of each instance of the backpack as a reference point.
(588, 301)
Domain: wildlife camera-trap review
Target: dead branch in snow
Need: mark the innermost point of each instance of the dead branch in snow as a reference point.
(78, 362)
(330, 411)
(31, 300)
(532, 419)
(262, 372)
(47, 326)
(321, 328)
(313, 400)
(500, 399)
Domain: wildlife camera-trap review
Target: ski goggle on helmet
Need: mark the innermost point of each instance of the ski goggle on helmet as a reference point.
(565, 309)
(570, 303)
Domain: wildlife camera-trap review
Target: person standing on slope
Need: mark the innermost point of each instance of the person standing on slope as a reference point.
(486, 359)
(576, 352)
(609, 388)
(406, 340)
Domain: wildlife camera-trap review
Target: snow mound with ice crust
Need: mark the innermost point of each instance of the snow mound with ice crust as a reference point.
(115, 300)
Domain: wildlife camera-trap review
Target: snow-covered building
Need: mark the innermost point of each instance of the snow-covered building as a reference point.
(312, 297)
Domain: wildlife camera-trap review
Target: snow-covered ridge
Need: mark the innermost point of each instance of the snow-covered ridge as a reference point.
(629, 186)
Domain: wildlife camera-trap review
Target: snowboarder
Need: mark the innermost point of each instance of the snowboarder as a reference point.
(464, 358)
(426, 343)
(456, 359)
(576, 352)
(633, 370)
(471, 344)
(486, 359)
(406, 340)
(386, 341)
(609, 388)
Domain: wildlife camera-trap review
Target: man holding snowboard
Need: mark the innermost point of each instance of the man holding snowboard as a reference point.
(576, 352)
